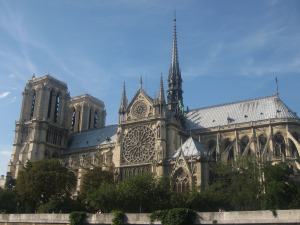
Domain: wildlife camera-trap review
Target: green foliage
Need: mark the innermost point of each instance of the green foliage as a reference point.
(93, 179)
(7, 201)
(140, 193)
(104, 198)
(40, 181)
(234, 186)
(76, 218)
(143, 194)
(176, 216)
(280, 192)
(118, 218)
(63, 205)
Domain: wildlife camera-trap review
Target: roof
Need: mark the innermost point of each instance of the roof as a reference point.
(94, 137)
(257, 109)
(190, 148)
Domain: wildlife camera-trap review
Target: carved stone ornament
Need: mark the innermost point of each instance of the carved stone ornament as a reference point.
(139, 145)
(139, 109)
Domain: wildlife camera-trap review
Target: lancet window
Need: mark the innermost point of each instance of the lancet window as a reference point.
(96, 120)
(243, 144)
(181, 181)
(56, 108)
(279, 145)
(73, 119)
(32, 105)
(50, 104)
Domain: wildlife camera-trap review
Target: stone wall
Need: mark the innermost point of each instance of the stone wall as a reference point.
(290, 217)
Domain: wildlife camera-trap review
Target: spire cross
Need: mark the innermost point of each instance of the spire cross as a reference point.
(141, 83)
(277, 89)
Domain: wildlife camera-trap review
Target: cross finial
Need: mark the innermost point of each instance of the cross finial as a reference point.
(175, 14)
(141, 83)
(277, 89)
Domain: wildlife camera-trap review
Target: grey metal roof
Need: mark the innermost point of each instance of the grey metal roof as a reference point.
(257, 109)
(94, 137)
(190, 148)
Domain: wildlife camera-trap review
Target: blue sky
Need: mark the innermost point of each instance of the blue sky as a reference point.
(228, 51)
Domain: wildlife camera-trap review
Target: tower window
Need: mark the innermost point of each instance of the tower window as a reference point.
(95, 119)
(32, 105)
(50, 104)
(56, 108)
(73, 120)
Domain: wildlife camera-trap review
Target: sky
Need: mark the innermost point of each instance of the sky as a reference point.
(228, 51)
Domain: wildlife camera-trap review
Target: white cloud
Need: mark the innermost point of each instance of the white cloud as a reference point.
(4, 94)
(5, 152)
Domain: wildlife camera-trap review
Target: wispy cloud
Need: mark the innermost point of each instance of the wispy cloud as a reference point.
(5, 152)
(4, 94)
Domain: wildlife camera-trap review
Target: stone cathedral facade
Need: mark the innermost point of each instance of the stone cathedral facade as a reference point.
(153, 134)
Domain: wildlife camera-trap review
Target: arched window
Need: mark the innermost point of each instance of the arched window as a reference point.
(243, 143)
(96, 120)
(181, 181)
(231, 152)
(50, 104)
(73, 120)
(56, 108)
(212, 149)
(32, 105)
(262, 140)
(279, 144)
(90, 118)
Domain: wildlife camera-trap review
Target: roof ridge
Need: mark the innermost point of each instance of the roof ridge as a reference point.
(101, 128)
(235, 102)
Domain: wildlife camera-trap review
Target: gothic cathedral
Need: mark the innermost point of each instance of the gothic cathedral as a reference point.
(153, 134)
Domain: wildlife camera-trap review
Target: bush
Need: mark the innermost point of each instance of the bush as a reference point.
(118, 218)
(177, 216)
(76, 218)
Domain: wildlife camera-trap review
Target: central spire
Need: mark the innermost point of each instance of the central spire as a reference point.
(175, 99)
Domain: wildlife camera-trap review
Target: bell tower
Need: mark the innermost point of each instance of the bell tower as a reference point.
(41, 131)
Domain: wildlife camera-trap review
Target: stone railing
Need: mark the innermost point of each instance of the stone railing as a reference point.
(239, 217)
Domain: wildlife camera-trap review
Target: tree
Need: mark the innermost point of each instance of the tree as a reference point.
(144, 193)
(280, 191)
(7, 201)
(93, 179)
(42, 180)
(139, 193)
(104, 198)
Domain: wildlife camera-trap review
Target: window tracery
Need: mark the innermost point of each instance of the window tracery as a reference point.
(279, 144)
(139, 145)
(139, 109)
(181, 181)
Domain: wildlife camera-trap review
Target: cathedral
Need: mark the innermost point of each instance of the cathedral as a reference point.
(153, 134)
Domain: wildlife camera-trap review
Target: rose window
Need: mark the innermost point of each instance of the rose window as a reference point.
(139, 145)
(139, 109)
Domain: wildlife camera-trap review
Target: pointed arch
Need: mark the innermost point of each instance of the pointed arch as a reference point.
(50, 103)
(96, 119)
(181, 181)
(73, 119)
(32, 104)
(56, 108)
(243, 144)
(279, 144)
